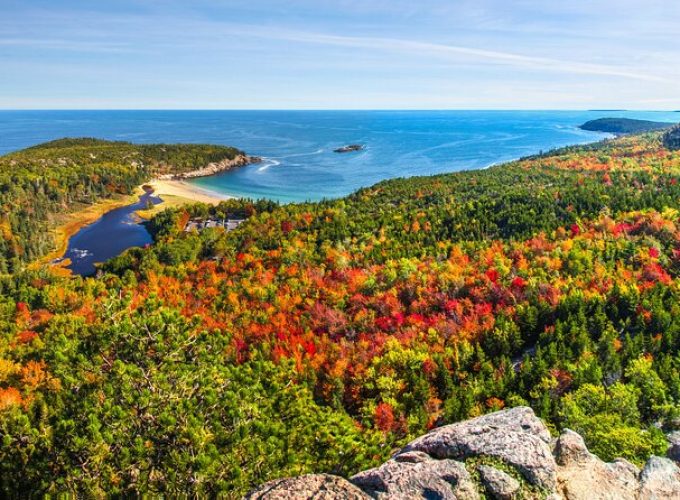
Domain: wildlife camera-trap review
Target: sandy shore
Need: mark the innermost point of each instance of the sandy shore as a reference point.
(189, 192)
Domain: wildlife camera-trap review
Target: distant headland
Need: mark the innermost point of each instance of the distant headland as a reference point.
(621, 126)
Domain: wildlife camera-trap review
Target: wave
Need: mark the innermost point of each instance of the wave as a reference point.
(274, 161)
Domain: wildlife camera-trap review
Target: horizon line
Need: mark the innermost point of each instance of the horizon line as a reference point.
(593, 110)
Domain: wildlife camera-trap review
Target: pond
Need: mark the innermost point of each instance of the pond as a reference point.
(109, 236)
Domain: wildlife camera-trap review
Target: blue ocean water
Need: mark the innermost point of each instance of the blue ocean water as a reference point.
(298, 145)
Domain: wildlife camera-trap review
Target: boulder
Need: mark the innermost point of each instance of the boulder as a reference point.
(674, 448)
(432, 467)
(417, 475)
(497, 483)
(583, 476)
(660, 479)
(516, 437)
(310, 486)
(570, 449)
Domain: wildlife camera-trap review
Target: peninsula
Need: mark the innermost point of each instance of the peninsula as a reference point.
(622, 126)
(213, 168)
(173, 190)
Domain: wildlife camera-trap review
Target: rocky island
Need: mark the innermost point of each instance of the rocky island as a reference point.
(350, 148)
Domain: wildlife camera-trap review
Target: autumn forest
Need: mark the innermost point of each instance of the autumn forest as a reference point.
(322, 336)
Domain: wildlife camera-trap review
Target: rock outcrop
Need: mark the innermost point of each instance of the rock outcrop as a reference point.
(515, 437)
(214, 168)
(317, 486)
(659, 479)
(498, 484)
(583, 475)
(674, 448)
(417, 475)
(503, 455)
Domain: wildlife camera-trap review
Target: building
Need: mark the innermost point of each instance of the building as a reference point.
(201, 224)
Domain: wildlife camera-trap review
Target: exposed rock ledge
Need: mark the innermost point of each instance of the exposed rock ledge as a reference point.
(214, 168)
(503, 455)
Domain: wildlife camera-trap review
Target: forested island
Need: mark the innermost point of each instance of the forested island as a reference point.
(322, 337)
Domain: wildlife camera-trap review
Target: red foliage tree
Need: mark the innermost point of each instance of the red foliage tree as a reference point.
(384, 417)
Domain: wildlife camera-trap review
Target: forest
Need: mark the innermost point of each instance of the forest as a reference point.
(322, 336)
(623, 125)
(41, 184)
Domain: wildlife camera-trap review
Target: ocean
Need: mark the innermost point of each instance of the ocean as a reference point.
(298, 146)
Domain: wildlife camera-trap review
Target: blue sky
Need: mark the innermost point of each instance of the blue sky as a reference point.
(345, 54)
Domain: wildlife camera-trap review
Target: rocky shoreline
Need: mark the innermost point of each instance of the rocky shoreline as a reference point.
(504, 455)
(213, 168)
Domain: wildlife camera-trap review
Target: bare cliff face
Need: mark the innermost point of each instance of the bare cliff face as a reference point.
(503, 455)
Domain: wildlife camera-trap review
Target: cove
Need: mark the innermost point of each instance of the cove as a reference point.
(110, 235)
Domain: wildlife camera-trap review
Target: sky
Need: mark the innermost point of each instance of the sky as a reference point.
(340, 54)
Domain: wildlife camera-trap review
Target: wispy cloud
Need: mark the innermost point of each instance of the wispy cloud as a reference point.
(68, 45)
(431, 53)
(453, 51)
(133, 33)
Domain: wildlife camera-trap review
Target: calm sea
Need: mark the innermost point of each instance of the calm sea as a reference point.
(298, 145)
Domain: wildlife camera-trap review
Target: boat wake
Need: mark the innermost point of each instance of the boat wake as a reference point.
(268, 162)
(296, 155)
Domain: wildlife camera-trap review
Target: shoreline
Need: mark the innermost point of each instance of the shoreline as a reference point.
(604, 137)
(75, 221)
(183, 189)
(176, 193)
(173, 193)
(213, 168)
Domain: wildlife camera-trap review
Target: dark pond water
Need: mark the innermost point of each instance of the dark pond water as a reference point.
(110, 235)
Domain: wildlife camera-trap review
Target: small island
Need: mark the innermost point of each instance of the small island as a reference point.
(621, 126)
(350, 148)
